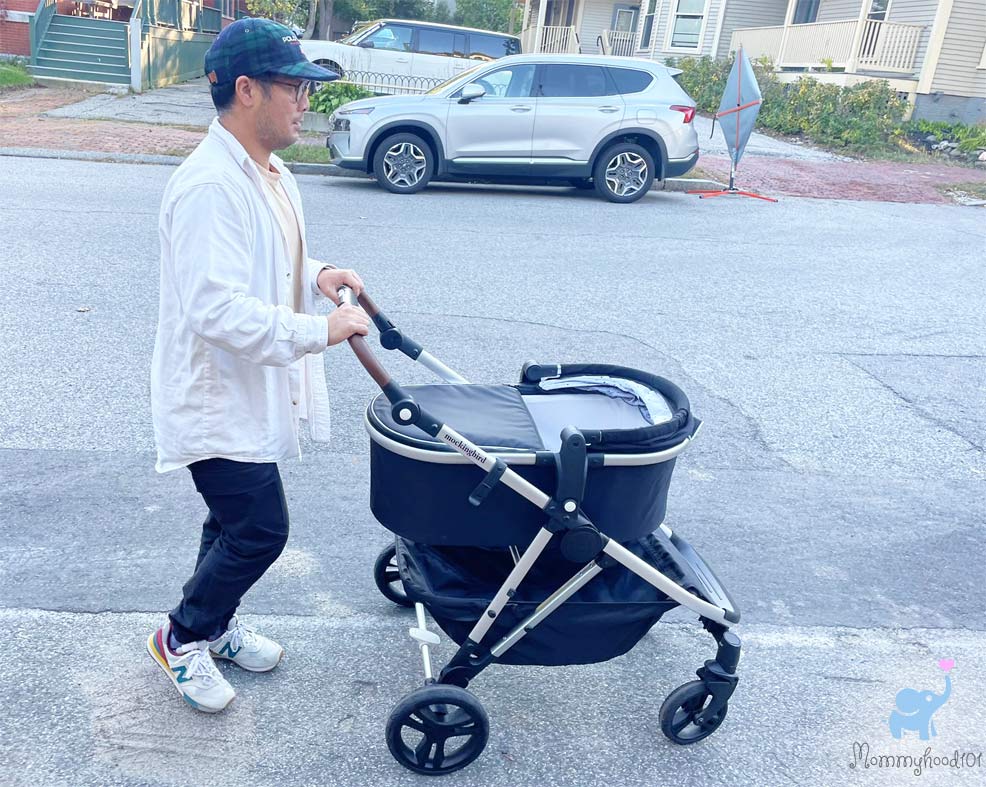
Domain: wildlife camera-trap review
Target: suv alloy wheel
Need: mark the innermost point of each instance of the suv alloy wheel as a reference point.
(403, 164)
(623, 172)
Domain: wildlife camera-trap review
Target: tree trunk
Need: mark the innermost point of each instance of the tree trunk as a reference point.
(312, 13)
(325, 8)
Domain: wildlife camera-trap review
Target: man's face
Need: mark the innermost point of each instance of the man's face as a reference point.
(280, 111)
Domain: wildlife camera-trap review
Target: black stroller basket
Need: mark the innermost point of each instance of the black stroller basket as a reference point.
(514, 574)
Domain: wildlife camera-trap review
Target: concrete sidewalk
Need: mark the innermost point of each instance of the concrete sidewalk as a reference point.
(187, 104)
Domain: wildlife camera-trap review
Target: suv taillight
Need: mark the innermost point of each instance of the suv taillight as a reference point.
(688, 112)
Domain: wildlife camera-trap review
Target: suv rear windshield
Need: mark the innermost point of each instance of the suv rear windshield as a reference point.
(630, 80)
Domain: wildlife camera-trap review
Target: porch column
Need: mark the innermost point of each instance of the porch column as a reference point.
(133, 43)
(788, 20)
(542, 9)
(857, 39)
(527, 16)
(658, 16)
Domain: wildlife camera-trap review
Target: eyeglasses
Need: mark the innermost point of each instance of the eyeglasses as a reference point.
(301, 89)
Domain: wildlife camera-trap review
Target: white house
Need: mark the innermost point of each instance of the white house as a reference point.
(931, 51)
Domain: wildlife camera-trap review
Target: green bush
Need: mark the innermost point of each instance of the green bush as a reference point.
(333, 95)
(861, 117)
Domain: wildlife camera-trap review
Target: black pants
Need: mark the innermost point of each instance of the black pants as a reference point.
(245, 531)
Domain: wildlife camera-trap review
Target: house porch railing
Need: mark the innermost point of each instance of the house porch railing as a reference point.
(618, 43)
(851, 45)
(556, 39)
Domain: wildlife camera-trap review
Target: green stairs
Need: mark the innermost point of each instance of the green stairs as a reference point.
(90, 50)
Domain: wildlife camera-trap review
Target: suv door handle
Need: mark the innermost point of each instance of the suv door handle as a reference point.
(609, 109)
(520, 108)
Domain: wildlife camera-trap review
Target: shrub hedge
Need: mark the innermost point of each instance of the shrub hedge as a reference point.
(861, 118)
(333, 95)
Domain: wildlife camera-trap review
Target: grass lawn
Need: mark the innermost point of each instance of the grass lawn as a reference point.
(14, 76)
(308, 154)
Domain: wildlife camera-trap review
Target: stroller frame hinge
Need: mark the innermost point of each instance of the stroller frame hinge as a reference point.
(471, 659)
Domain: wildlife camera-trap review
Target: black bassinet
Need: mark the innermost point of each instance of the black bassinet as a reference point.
(420, 487)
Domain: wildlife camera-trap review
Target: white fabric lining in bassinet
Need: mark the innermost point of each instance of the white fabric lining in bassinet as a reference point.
(587, 410)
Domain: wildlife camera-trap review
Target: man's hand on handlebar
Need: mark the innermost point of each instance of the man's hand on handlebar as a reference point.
(330, 280)
(347, 321)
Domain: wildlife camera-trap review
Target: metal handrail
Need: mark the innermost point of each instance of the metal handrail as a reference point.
(39, 26)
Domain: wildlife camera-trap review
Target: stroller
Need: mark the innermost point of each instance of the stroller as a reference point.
(517, 575)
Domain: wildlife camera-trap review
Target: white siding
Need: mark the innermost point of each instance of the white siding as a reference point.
(749, 13)
(596, 17)
(957, 73)
(840, 10)
(915, 12)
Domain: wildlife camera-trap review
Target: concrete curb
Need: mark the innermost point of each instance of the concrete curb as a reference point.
(297, 167)
(89, 155)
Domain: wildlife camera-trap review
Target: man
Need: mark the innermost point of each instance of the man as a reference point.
(237, 359)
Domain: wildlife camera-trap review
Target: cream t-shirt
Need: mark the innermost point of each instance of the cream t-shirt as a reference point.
(284, 213)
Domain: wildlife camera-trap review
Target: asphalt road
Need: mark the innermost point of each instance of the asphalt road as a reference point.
(835, 350)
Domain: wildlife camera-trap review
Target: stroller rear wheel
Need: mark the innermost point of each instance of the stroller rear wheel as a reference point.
(437, 729)
(680, 713)
(388, 578)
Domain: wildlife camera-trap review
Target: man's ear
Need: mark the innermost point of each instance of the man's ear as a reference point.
(247, 91)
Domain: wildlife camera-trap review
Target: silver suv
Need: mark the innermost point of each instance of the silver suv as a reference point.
(609, 123)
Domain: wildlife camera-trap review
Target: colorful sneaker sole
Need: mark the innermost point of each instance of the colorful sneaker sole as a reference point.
(154, 647)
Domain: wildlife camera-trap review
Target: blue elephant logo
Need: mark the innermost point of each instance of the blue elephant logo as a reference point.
(915, 708)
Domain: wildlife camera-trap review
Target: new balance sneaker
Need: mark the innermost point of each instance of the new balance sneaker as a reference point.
(193, 672)
(245, 647)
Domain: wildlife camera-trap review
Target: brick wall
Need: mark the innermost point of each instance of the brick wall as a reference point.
(15, 31)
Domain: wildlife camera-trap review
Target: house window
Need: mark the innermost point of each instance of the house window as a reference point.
(228, 11)
(878, 10)
(805, 12)
(687, 23)
(648, 31)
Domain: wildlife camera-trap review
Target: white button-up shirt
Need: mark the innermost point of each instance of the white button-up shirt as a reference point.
(230, 349)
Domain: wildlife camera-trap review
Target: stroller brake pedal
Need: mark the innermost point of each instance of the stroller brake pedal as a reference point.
(424, 637)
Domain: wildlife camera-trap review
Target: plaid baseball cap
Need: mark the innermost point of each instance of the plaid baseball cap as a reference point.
(255, 47)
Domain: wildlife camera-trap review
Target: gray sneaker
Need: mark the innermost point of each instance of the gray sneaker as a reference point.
(245, 647)
(192, 671)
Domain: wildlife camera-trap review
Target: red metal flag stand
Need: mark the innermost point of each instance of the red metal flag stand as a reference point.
(731, 190)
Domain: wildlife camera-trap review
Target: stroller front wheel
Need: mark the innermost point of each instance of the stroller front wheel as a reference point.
(437, 729)
(683, 717)
(388, 578)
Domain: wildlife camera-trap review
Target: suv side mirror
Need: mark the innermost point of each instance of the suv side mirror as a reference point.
(366, 44)
(471, 93)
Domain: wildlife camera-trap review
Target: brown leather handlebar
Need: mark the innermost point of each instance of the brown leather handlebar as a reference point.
(366, 357)
(358, 343)
(368, 305)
